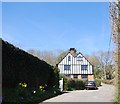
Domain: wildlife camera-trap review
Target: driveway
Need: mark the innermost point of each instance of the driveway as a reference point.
(105, 93)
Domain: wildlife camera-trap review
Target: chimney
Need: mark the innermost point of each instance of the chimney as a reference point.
(72, 51)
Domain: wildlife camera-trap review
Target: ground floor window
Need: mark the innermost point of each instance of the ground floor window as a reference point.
(84, 67)
(75, 76)
(84, 76)
(67, 75)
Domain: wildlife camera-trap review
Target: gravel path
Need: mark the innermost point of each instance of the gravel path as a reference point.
(105, 93)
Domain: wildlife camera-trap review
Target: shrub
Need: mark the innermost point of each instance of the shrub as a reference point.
(85, 80)
(71, 84)
(79, 85)
(112, 82)
(76, 84)
(20, 67)
(24, 95)
(98, 82)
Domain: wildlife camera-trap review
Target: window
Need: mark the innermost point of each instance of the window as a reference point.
(79, 58)
(67, 75)
(67, 67)
(69, 58)
(84, 76)
(75, 76)
(84, 67)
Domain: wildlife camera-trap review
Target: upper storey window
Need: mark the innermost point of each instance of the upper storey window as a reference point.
(67, 67)
(69, 58)
(80, 58)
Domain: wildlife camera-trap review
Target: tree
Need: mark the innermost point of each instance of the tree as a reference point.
(102, 62)
(51, 57)
(61, 56)
(47, 56)
(115, 27)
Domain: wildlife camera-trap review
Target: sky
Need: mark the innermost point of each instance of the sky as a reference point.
(50, 26)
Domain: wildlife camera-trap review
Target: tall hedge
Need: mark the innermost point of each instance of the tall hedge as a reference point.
(18, 67)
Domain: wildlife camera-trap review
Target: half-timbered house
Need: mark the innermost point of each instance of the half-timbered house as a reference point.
(75, 65)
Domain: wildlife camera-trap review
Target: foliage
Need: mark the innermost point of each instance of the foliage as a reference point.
(48, 56)
(28, 72)
(98, 82)
(98, 73)
(61, 56)
(65, 82)
(24, 95)
(72, 84)
(84, 80)
(51, 57)
(117, 100)
(54, 78)
(115, 27)
(76, 84)
(112, 82)
(103, 64)
(19, 67)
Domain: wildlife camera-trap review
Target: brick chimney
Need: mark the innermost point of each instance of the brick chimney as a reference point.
(72, 51)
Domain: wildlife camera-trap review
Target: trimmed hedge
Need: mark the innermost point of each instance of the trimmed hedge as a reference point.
(76, 84)
(20, 67)
(73, 84)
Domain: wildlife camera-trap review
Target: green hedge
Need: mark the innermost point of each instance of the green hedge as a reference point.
(24, 95)
(75, 84)
(98, 82)
(20, 67)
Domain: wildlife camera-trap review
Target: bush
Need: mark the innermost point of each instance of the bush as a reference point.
(20, 67)
(71, 84)
(84, 80)
(98, 82)
(24, 95)
(76, 84)
(79, 85)
(112, 82)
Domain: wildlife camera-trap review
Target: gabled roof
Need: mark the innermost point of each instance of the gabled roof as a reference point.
(63, 58)
(75, 55)
(85, 58)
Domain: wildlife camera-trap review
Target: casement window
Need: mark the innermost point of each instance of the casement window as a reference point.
(79, 58)
(67, 67)
(69, 58)
(84, 67)
(67, 75)
(84, 76)
(75, 76)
